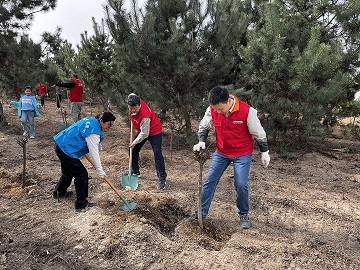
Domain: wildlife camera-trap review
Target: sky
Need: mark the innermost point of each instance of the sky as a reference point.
(73, 16)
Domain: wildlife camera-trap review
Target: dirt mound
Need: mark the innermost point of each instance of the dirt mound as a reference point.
(305, 210)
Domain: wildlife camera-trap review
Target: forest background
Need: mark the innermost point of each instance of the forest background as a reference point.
(296, 62)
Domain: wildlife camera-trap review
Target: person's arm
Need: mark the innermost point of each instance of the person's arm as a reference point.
(93, 141)
(203, 131)
(144, 131)
(66, 85)
(256, 130)
(205, 126)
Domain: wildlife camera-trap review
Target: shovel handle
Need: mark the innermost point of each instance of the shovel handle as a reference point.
(107, 180)
(131, 150)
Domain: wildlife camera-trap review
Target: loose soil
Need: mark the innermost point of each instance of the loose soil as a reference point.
(305, 210)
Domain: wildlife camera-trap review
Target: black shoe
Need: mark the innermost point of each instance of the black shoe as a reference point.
(136, 174)
(162, 185)
(89, 204)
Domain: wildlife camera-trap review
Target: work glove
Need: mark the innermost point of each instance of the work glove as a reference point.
(100, 172)
(200, 145)
(265, 158)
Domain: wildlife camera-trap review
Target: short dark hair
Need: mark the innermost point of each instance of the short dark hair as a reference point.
(218, 94)
(106, 117)
(28, 86)
(75, 75)
(133, 100)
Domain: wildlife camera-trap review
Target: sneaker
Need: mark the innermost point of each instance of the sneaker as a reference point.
(162, 184)
(193, 217)
(136, 174)
(89, 204)
(245, 221)
(32, 137)
(24, 134)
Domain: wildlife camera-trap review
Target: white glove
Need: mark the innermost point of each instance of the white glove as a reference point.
(200, 145)
(100, 172)
(265, 158)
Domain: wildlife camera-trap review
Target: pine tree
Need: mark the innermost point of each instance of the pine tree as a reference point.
(93, 62)
(294, 66)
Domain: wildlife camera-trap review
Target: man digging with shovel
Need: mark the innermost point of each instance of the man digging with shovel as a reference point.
(81, 138)
(149, 128)
(236, 126)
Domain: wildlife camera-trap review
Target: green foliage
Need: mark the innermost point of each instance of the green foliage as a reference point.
(296, 75)
(93, 62)
(176, 52)
(20, 57)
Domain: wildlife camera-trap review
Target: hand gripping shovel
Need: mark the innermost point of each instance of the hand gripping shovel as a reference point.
(129, 181)
(127, 206)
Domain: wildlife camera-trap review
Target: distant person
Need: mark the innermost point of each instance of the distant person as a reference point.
(41, 93)
(81, 138)
(27, 111)
(75, 96)
(148, 128)
(236, 126)
(58, 93)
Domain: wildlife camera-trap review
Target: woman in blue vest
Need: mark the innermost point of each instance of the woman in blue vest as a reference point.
(81, 138)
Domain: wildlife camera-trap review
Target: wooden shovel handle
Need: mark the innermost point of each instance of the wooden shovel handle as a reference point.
(107, 180)
(131, 149)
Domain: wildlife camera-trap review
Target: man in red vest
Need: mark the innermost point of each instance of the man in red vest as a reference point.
(75, 96)
(236, 126)
(148, 128)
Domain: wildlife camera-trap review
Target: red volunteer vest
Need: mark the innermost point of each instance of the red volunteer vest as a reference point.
(146, 112)
(76, 93)
(232, 134)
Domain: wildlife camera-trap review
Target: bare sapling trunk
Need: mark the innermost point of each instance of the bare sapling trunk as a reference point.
(22, 142)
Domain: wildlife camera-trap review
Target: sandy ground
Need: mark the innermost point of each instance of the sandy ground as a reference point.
(305, 210)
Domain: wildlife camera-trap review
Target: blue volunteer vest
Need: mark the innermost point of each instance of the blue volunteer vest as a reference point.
(72, 139)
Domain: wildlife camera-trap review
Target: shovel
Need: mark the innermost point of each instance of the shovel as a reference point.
(127, 206)
(129, 181)
(201, 156)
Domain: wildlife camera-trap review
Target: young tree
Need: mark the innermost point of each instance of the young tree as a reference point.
(295, 68)
(94, 60)
(173, 52)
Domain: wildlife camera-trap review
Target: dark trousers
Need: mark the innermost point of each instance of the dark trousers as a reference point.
(155, 142)
(42, 101)
(72, 168)
(58, 100)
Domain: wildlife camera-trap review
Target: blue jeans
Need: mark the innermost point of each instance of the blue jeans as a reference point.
(155, 142)
(218, 165)
(28, 115)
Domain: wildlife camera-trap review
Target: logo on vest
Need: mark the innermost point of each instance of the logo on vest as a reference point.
(237, 122)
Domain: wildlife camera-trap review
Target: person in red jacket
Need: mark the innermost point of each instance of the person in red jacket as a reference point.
(42, 93)
(236, 126)
(75, 96)
(148, 128)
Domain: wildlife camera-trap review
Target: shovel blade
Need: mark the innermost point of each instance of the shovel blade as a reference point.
(127, 206)
(129, 182)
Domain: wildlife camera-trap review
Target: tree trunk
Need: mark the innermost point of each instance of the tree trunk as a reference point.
(3, 122)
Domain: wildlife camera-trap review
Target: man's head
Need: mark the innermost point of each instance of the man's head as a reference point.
(133, 102)
(74, 76)
(106, 120)
(219, 99)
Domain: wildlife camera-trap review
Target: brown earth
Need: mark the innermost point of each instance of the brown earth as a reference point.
(305, 210)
